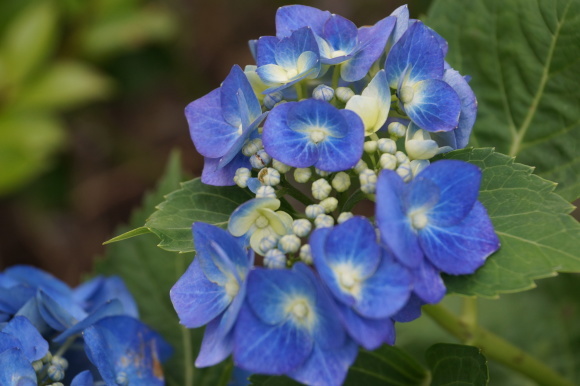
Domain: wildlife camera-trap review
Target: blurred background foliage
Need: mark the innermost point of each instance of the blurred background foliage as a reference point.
(91, 102)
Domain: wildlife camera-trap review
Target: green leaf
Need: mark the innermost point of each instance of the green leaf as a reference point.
(28, 41)
(64, 85)
(538, 237)
(523, 57)
(195, 201)
(454, 364)
(149, 273)
(386, 366)
(27, 142)
(127, 235)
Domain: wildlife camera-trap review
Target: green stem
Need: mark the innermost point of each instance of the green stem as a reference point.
(335, 76)
(469, 313)
(297, 194)
(299, 91)
(65, 346)
(354, 199)
(495, 347)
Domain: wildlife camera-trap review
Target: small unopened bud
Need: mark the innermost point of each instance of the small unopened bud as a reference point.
(281, 167)
(341, 182)
(265, 192)
(267, 243)
(275, 259)
(387, 145)
(301, 227)
(289, 243)
(305, 254)
(329, 204)
(252, 147)
(271, 99)
(56, 373)
(404, 170)
(344, 94)
(401, 157)
(302, 175)
(122, 378)
(242, 176)
(37, 365)
(388, 161)
(321, 173)
(370, 146)
(344, 216)
(417, 166)
(397, 129)
(368, 181)
(60, 361)
(323, 93)
(321, 189)
(314, 210)
(323, 221)
(360, 166)
(269, 176)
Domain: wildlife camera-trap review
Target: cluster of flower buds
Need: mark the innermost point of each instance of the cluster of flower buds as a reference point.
(331, 114)
(96, 326)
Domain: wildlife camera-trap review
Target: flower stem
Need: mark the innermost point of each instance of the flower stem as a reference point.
(335, 76)
(495, 347)
(292, 191)
(299, 91)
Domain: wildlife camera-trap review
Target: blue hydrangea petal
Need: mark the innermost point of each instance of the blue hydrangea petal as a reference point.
(269, 291)
(369, 333)
(372, 42)
(387, 291)
(266, 50)
(393, 223)
(462, 248)
(12, 299)
(97, 291)
(123, 344)
(196, 299)
(266, 348)
(37, 278)
(428, 283)
(468, 106)
(236, 148)
(340, 33)
(32, 344)
(458, 184)
(289, 49)
(58, 311)
(236, 86)
(336, 154)
(272, 74)
(215, 175)
(286, 145)
(326, 367)
(84, 378)
(110, 308)
(435, 106)
(293, 17)
(215, 346)
(15, 369)
(402, 24)
(31, 311)
(423, 195)
(212, 135)
(416, 55)
(311, 113)
(411, 310)
(354, 243)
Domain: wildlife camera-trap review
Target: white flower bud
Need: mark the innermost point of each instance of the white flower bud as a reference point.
(268, 242)
(281, 167)
(305, 254)
(269, 176)
(314, 210)
(370, 146)
(242, 176)
(368, 181)
(301, 227)
(343, 94)
(275, 259)
(323, 221)
(60, 361)
(360, 166)
(122, 379)
(401, 157)
(323, 93)
(56, 373)
(404, 170)
(37, 365)
(302, 175)
(329, 204)
(321, 189)
(252, 147)
(341, 182)
(388, 161)
(265, 192)
(321, 173)
(344, 216)
(270, 100)
(387, 145)
(289, 243)
(397, 129)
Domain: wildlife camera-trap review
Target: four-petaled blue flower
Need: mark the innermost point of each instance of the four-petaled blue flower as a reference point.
(314, 133)
(438, 216)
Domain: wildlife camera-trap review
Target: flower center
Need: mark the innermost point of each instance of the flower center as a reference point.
(419, 220)
(291, 73)
(240, 130)
(347, 280)
(317, 136)
(300, 310)
(232, 288)
(262, 222)
(337, 53)
(406, 94)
